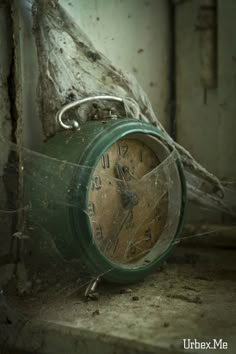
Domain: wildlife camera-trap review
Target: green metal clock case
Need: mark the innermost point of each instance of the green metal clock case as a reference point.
(60, 184)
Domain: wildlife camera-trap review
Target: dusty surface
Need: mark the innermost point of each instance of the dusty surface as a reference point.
(193, 296)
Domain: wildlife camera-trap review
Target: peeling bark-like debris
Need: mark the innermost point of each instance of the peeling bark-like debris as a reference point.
(71, 68)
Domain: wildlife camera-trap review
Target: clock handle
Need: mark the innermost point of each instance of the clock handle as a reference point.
(75, 125)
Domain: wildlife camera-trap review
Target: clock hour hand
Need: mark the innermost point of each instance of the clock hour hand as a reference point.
(120, 174)
(128, 197)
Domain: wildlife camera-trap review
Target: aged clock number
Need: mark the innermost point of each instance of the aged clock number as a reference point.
(148, 234)
(109, 245)
(123, 149)
(99, 233)
(96, 183)
(91, 209)
(105, 161)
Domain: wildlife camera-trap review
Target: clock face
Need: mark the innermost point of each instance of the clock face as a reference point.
(126, 206)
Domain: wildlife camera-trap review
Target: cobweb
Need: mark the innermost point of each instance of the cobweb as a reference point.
(71, 68)
(43, 246)
(40, 251)
(44, 237)
(44, 257)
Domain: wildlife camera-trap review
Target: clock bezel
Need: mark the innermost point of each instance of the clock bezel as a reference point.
(95, 260)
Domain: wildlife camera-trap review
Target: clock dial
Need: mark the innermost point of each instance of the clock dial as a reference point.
(127, 211)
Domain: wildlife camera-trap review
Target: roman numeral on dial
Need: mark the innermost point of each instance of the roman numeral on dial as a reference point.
(105, 161)
(96, 183)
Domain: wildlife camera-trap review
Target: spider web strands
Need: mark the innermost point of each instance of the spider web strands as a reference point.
(152, 188)
(62, 79)
(86, 72)
(72, 276)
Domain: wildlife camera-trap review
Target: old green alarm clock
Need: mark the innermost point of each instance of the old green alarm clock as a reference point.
(113, 194)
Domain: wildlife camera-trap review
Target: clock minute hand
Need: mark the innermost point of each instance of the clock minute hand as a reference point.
(115, 237)
(129, 200)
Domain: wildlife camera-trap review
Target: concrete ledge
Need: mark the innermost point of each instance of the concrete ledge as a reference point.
(192, 297)
(48, 338)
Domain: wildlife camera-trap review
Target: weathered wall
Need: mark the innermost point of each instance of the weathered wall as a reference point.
(137, 39)
(27, 74)
(5, 65)
(5, 117)
(206, 121)
(139, 34)
(134, 34)
(227, 89)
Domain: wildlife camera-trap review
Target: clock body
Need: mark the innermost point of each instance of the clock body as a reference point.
(111, 195)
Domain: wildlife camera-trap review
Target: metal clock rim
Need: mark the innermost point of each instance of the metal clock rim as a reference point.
(117, 271)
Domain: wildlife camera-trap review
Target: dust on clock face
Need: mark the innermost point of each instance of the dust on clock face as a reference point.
(125, 220)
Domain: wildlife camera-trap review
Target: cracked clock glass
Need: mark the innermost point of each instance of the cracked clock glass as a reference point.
(114, 214)
(128, 200)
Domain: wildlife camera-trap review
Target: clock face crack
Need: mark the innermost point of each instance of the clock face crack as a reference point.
(127, 215)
